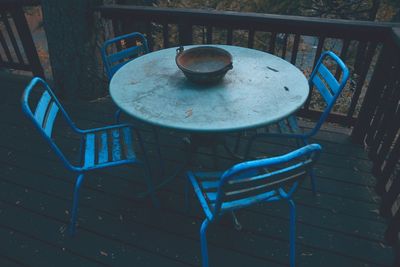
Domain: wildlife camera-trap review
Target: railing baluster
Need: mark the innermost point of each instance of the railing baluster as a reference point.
(229, 37)
(364, 66)
(390, 197)
(209, 32)
(250, 41)
(284, 45)
(373, 96)
(5, 48)
(376, 120)
(321, 41)
(149, 35)
(389, 135)
(295, 49)
(117, 27)
(185, 32)
(165, 35)
(392, 232)
(389, 94)
(388, 169)
(12, 37)
(387, 121)
(272, 43)
(343, 56)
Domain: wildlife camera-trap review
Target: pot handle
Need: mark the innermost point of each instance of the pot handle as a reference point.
(229, 67)
(179, 50)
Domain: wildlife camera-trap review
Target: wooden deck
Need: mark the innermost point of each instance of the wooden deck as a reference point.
(338, 227)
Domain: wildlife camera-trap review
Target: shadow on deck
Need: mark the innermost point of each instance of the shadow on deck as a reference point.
(338, 227)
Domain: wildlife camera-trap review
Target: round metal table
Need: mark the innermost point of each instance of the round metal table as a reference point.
(259, 90)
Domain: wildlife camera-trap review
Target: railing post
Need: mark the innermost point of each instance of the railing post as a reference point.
(185, 34)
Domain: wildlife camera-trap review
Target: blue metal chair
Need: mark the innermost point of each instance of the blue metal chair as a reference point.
(120, 50)
(251, 182)
(99, 148)
(329, 88)
(127, 47)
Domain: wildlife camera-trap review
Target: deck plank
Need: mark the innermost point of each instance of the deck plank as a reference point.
(338, 227)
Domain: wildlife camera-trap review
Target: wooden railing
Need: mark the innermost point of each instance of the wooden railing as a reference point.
(369, 103)
(17, 49)
(357, 43)
(379, 128)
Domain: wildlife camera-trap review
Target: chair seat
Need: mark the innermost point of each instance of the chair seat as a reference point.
(206, 185)
(108, 145)
(286, 126)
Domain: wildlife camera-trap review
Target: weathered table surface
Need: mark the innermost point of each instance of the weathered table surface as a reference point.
(259, 90)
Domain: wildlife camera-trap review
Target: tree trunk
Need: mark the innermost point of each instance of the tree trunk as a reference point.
(71, 34)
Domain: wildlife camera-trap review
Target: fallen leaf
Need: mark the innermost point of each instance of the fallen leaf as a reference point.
(103, 253)
(189, 113)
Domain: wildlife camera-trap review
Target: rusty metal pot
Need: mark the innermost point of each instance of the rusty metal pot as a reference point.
(204, 64)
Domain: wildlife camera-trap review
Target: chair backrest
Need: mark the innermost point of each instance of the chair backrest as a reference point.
(327, 84)
(123, 48)
(250, 182)
(43, 112)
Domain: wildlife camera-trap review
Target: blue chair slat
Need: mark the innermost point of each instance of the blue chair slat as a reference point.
(329, 78)
(209, 185)
(50, 118)
(116, 147)
(319, 84)
(44, 117)
(42, 107)
(125, 54)
(127, 140)
(245, 202)
(253, 186)
(252, 182)
(89, 150)
(103, 148)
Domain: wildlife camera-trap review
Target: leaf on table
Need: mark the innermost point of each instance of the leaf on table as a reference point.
(188, 113)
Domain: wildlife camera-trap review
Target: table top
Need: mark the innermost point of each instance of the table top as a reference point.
(259, 90)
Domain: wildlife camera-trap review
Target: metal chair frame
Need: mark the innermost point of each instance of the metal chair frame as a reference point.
(249, 183)
(43, 118)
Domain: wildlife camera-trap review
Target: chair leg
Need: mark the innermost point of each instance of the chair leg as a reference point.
(248, 147)
(312, 175)
(203, 240)
(292, 232)
(237, 144)
(157, 141)
(117, 115)
(215, 157)
(187, 196)
(78, 183)
(313, 186)
(149, 181)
